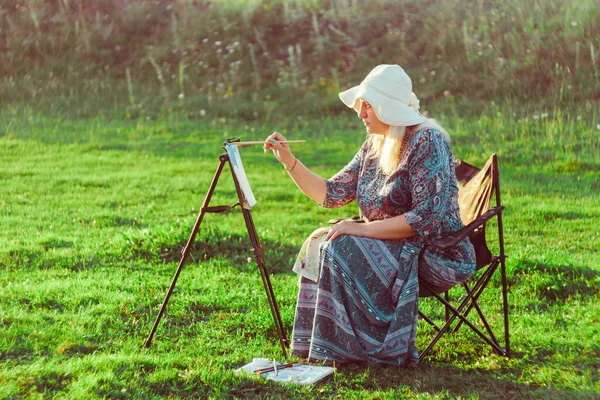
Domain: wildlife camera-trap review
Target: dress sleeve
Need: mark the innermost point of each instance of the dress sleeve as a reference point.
(341, 188)
(431, 172)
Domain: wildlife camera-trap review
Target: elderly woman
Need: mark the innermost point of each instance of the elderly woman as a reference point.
(360, 303)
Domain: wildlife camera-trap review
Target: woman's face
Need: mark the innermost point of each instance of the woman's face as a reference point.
(372, 123)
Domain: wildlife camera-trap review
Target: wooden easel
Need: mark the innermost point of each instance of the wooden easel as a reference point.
(257, 248)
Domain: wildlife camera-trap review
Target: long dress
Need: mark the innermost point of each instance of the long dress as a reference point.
(364, 306)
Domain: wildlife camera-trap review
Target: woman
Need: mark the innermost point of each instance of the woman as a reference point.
(362, 304)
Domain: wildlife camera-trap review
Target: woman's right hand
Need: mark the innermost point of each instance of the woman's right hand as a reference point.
(311, 184)
(281, 150)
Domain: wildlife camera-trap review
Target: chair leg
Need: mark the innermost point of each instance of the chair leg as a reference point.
(429, 320)
(502, 256)
(447, 297)
(479, 312)
(505, 305)
(473, 303)
(457, 327)
(445, 328)
(477, 290)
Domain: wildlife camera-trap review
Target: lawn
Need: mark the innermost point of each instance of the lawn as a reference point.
(112, 116)
(95, 213)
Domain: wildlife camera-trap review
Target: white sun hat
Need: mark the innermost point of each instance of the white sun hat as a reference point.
(388, 89)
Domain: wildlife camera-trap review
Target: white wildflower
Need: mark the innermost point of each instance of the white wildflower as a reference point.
(202, 113)
(218, 43)
(181, 96)
(535, 117)
(574, 23)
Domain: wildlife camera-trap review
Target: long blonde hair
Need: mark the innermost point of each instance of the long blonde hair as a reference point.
(388, 147)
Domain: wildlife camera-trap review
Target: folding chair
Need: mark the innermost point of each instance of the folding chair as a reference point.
(476, 188)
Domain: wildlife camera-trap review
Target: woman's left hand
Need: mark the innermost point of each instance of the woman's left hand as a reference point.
(346, 228)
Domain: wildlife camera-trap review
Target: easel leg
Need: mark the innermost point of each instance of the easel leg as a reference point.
(258, 256)
(264, 273)
(186, 251)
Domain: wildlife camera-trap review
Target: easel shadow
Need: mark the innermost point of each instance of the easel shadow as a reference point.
(209, 244)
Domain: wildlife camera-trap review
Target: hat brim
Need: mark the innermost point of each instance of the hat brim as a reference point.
(389, 111)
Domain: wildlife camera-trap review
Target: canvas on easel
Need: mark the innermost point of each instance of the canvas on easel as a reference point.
(240, 174)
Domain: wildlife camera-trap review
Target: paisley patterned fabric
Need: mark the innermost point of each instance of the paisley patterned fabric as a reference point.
(364, 307)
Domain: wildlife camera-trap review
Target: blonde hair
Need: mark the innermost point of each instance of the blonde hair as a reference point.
(388, 148)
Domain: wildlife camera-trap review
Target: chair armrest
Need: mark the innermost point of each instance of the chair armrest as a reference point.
(356, 218)
(452, 239)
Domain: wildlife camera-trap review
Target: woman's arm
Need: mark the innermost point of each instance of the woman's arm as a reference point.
(310, 183)
(432, 182)
(389, 228)
(307, 181)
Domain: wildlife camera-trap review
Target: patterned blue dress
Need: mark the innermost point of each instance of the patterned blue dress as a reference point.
(364, 307)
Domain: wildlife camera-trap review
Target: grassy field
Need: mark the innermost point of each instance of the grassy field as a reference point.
(112, 114)
(95, 212)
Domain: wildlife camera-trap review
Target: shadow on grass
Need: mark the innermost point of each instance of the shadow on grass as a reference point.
(51, 382)
(42, 260)
(278, 256)
(193, 313)
(160, 248)
(557, 283)
(433, 380)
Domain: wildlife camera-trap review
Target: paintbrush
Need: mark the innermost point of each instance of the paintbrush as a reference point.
(274, 368)
(251, 143)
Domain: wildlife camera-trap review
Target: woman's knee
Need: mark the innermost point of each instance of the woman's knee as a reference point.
(335, 245)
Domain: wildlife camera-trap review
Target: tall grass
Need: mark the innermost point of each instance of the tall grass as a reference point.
(226, 56)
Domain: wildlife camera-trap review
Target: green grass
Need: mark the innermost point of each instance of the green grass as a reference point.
(95, 212)
(110, 129)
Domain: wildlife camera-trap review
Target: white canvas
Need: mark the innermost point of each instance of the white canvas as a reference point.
(240, 174)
